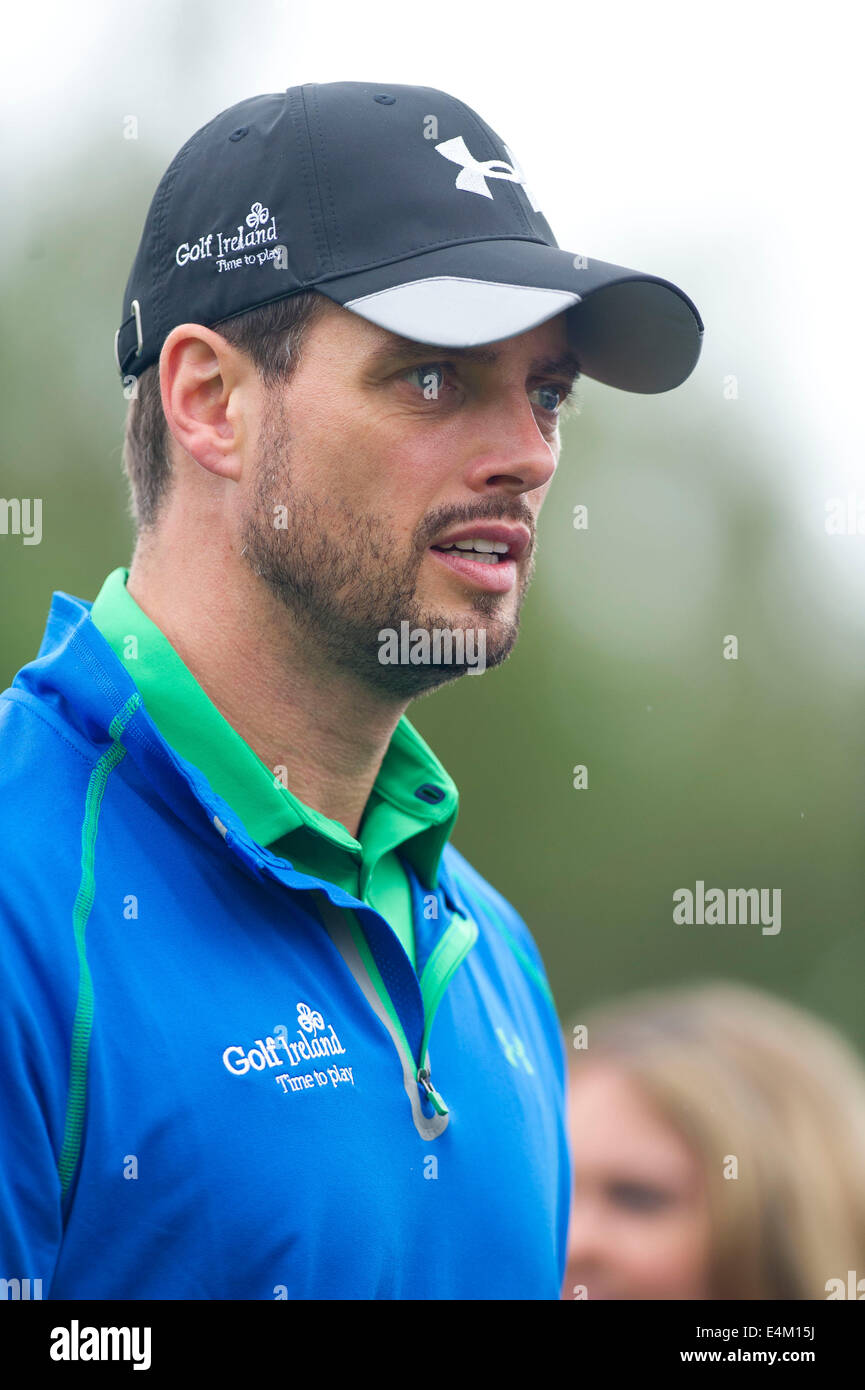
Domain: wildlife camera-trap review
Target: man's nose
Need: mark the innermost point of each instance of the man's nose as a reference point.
(512, 454)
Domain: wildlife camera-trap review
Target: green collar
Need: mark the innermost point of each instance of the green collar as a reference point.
(189, 721)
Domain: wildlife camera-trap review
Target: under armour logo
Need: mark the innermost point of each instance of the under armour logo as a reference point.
(514, 1051)
(472, 177)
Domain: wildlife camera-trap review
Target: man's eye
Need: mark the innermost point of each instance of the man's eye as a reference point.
(430, 378)
(554, 397)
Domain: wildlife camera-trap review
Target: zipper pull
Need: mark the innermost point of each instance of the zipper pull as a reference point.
(432, 1094)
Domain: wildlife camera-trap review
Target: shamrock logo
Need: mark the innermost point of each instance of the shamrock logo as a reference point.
(257, 216)
(309, 1020)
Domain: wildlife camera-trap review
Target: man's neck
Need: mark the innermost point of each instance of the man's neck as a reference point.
(269, 679)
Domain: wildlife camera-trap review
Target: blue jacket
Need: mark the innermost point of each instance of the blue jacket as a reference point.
(215, 1085)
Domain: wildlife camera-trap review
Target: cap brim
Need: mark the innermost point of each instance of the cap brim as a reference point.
(629, 330)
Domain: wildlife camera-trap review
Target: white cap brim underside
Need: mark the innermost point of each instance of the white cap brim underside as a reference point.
(457, 312)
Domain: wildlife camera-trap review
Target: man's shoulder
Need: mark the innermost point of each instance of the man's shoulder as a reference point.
(44, 771)
(473, 883)
(37, 744)
(486, 901)
(45, 765)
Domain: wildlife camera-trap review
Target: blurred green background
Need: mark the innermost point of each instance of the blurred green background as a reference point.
(702, 523)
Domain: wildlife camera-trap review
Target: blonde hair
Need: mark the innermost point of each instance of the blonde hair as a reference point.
(769, 1095)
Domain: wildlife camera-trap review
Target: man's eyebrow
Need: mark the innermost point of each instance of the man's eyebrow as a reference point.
(398, 349)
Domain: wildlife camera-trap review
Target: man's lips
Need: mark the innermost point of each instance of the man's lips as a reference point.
(493, 533)
(492, 564)
(496, 578)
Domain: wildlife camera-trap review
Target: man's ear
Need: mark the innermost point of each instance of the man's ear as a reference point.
(206, 387)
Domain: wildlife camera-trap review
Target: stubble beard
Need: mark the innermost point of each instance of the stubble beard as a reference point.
(335, 571)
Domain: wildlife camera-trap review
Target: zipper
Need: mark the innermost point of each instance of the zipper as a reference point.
(444, 960)
(432, 1094)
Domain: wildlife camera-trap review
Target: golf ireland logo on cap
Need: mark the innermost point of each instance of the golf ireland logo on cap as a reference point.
(262, 228)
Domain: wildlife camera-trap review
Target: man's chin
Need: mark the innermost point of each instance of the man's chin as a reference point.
(418, 656)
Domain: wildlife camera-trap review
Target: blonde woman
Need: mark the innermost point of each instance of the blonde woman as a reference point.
(718, 1137)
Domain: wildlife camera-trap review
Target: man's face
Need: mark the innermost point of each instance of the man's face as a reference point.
(378, 462)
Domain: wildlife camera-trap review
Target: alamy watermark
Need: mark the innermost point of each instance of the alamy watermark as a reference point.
(728, 907)
(852, 1288)
(20, 1289)
(845, 516)
(443, 646)
(77, 1343)
(21, 516)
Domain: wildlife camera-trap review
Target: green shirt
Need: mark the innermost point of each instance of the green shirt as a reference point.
(401, 813)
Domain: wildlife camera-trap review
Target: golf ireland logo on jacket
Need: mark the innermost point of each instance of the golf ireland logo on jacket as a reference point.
(263, 1054)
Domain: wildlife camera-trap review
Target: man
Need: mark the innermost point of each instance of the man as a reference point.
(266, 1033)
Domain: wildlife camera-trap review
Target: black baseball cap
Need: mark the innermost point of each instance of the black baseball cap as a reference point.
(400, 204)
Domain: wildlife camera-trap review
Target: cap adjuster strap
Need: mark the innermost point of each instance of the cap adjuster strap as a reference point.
(135, 317)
